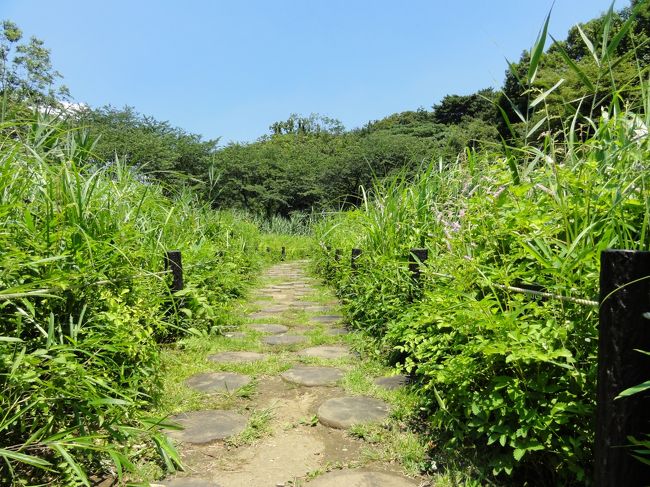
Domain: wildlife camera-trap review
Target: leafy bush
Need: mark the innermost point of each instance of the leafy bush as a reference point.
(505, 375)
(85, 301)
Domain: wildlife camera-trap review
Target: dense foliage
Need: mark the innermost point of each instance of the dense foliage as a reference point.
(519, 187)
(507, 380)
(84, 302)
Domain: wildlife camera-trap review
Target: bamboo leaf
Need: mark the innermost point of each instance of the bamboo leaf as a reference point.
(24, 458)
(537, 126)
(616, 40)
(607, 26)
(76, 468)
(543, 96)
(589, 44)
(585, 80)
(538, 50)
(644, 386)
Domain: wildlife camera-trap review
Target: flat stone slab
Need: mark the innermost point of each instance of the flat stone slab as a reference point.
(318, 309)
(207, 426)
(276, 308)
(313, 376)
(327, 352)
(261, 316)
(391, 382)
(236, 357)
(186, 482)
(361, 478)
(326, 318)
(238, 335)
(284, 339)
(217, 382)
(336, 331)
(343, 412)
(270, 328)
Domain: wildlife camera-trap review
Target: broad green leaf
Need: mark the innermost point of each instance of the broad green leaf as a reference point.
(518, 453)
(24, 458)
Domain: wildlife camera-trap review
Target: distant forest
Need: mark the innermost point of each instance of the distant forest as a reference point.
(313, 162)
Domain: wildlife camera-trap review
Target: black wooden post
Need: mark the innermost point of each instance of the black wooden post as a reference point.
(624, 328)
(174, 262)
(356, 253)
(416, 257)
(283, 254)
(337, 255)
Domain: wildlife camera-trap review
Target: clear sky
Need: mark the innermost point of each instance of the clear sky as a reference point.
(231, 68)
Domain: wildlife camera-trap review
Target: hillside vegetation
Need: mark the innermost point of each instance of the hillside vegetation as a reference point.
(507, 380)
(520, 187)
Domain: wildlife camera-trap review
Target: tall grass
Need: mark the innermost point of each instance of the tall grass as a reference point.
(506, 381)
(84, 303)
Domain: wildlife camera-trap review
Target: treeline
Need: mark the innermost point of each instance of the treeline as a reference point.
(308, 162)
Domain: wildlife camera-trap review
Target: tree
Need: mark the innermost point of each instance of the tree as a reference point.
(454, 109)
(26, 73)
(165, 152)
(313, 124)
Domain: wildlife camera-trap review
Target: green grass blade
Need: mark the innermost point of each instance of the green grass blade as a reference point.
(538, 50)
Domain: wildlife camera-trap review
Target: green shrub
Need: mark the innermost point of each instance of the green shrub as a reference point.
(85, 302)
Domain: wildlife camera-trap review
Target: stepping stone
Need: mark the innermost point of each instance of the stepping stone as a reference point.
(327, 352)
(343, 412)
(327, 318)
(278, 308)
(318, 309)
(313, 376)
(207, 426)
(217, 382)
(284, 339)
(186, 482)
(361, 478)
(261, 316)
(238, 335)
(236, 357)
(391, 382)
(336, 331)
(270, 328)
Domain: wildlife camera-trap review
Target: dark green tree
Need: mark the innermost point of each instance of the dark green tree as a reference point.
(27, 77)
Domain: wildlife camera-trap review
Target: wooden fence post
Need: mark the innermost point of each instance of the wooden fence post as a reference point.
(174, 262)
(283, 253)
(624, 329)
(356, 253)
(416, 257)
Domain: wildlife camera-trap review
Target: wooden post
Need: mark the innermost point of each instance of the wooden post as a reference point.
(283, 254)
(174, 262)
(416, 257)
(356, 253)
(624, 328)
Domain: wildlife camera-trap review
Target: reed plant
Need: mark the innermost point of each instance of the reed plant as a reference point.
(85, 302)
(506, 379)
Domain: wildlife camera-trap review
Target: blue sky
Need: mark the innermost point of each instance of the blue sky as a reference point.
(230, 69)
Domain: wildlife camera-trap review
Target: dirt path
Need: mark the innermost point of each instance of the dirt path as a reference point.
(284, 400)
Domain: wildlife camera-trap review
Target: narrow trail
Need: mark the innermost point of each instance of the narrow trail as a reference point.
(271, 403)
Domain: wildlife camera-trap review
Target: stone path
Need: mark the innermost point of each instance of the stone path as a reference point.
(294, 353)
